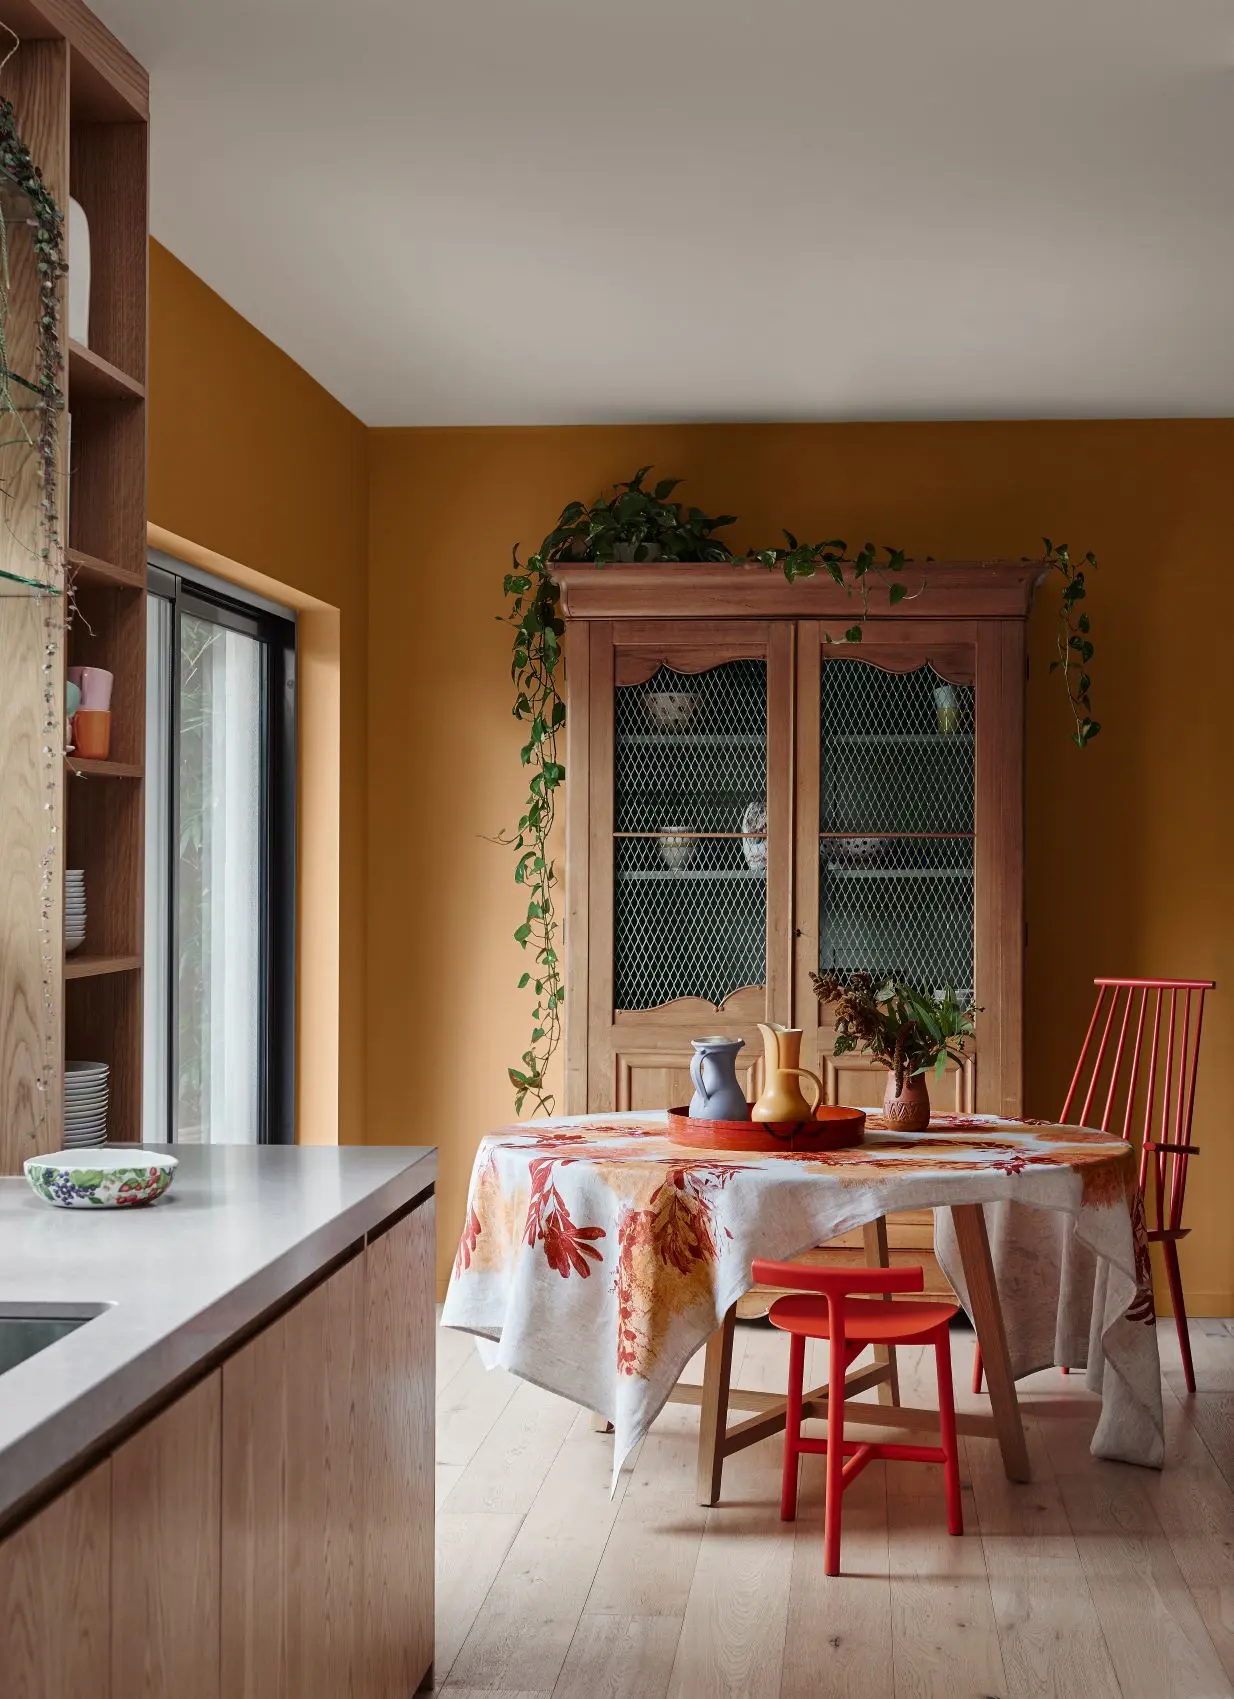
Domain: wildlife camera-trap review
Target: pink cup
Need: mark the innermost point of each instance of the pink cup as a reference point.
(95, 685)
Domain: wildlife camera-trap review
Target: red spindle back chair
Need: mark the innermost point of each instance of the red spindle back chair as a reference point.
(1105, 1091)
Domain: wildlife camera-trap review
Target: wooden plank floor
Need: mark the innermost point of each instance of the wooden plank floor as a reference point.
(1095, 1581)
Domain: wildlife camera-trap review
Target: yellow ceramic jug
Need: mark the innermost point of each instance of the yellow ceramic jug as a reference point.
(782, 1098)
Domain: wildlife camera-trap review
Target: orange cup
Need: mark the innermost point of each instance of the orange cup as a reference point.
(92, 734)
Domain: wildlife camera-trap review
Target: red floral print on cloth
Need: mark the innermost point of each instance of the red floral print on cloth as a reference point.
(467, 1242)
(566, 1245)
(1143, 1309)
(666, 1254)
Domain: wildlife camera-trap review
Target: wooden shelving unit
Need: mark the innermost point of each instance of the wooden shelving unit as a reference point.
(82, 106)
(105, 800)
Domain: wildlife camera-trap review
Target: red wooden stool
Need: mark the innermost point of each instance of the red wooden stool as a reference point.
(851, 1323)
(1168, 1097)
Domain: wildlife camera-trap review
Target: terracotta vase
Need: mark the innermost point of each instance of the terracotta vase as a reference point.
(909, 1110)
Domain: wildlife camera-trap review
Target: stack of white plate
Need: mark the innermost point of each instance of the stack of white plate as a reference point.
(74, 909)
(85, 1104)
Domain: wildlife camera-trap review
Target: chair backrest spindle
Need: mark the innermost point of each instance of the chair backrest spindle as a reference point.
(1118, 1061)
(1135, 1062)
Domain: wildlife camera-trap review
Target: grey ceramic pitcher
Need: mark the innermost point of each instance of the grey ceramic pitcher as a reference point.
(713, 1068)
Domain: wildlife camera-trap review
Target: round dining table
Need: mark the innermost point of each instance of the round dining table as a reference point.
(597, 1256)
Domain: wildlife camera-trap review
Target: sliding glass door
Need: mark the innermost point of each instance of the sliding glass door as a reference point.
(220, 859)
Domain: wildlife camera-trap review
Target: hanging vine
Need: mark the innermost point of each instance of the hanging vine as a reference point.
(1073, 642)
(538, 674)
(638, 524)
(45, 224)
(27, 208)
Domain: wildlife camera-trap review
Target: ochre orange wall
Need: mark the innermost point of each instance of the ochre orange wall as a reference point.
(253, 460)
(1128, 842)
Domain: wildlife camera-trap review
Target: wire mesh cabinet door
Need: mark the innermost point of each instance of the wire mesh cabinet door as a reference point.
(688, 852)
(909, 835)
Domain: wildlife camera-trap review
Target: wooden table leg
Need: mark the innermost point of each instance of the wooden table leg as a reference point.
(713, 1415)
(974, 1244)
(878, 1256)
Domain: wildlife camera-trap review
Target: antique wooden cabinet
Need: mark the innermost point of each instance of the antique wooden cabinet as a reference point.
(747, 802)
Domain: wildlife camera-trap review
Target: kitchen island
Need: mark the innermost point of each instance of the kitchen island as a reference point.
(223, 1479)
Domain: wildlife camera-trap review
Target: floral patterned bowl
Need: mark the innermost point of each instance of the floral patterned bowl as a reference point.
(100, 1178)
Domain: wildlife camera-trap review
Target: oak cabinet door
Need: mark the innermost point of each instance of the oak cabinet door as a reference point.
(291, 1496)
(398, 1443)
(165, 1552)
(909, 846)
(688, 729)
(55, 1630)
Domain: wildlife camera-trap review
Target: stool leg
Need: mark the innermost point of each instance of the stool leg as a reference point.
(946, 1422)
(835, 1451)
(792, 1425)
(979, 1368)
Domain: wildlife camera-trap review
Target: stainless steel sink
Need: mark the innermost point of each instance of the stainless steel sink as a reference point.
(27, 1329)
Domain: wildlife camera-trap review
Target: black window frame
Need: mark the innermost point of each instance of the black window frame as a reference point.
(192, 592)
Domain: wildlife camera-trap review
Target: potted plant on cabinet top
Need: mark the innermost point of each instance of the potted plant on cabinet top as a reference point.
(909, 1031)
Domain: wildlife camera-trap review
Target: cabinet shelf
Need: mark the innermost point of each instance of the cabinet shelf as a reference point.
(692, 740)
(92, 378)
(90, 967)
(899, 872)
(677, 873)
(89, 569)
(86, 766)
(898, 737)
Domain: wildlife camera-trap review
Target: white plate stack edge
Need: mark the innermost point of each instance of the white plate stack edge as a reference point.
(85, 1104)
(74, 909)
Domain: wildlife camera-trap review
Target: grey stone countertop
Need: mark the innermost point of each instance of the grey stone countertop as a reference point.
(239, 1230)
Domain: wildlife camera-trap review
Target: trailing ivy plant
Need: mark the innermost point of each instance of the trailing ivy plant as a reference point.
(639, 524)
(805, 560)
(45, 226)
(1073, 642)
(632, 524)
(538, 703)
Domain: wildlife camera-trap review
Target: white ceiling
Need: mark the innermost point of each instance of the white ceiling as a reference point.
(554, 211)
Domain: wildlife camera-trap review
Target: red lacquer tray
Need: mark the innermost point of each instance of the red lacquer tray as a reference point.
(834, 1128)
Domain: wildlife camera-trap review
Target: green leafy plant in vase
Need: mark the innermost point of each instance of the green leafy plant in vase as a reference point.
(912, 1032)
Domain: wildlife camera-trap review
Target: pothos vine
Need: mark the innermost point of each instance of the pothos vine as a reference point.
(639, 524)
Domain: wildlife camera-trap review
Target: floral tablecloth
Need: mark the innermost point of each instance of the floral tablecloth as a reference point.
(597, 1255)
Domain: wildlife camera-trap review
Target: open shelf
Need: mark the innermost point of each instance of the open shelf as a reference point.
(92, 378)
(89, 569)
(87, 967)
(89, 768)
